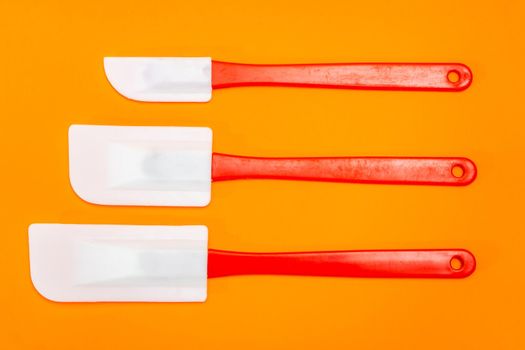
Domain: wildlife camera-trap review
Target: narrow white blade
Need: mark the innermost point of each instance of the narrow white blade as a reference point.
(135, 165)
(161, 79)
(89, 263)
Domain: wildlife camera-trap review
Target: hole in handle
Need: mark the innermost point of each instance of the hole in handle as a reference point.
(456, 263)
(453, 76)
(458, 171)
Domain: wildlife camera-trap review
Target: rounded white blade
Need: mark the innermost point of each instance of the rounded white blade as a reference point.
(135, 165)
(161, 79)
(88, 263)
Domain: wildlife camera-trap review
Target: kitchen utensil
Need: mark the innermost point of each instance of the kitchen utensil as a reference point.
(174, 166)
(191, 79)
(86, 263)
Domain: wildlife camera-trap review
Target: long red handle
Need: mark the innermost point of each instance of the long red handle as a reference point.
(384, 170)
(380, 76)
(455, 263)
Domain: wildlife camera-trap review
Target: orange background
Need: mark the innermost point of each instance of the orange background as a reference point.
(52, 76)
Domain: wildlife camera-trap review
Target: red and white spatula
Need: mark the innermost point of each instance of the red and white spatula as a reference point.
(172, 263)
(191, 79)
(175, 166)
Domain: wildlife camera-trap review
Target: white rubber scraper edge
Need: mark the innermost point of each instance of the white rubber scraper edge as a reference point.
(119, 263)
(141, 165)
(161, 79)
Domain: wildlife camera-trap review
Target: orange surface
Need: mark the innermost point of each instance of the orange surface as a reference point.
(52, 76)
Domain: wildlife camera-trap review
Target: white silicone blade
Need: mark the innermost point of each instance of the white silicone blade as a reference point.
(141, 165)
(89, 263)
(161, 79)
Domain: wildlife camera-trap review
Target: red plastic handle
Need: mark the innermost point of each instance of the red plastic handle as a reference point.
(384, 170)
(455, 263)
(380, 76)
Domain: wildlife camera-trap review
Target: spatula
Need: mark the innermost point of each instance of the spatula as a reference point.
(174, 166)
(191, 79)
(87, 263)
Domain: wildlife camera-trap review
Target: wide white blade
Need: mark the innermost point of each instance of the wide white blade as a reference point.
(161, 79)
(88, 263)
(134, 165)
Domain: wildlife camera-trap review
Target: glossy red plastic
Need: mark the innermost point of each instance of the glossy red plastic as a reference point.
(380, 170)
(453, 263)
(379, 76)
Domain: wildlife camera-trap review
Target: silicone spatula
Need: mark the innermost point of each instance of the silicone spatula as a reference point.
(175, 166)
(86, 263)
(191, 79)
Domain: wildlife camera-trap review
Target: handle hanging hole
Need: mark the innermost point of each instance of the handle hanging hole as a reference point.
(456, 263)
(458, 171)
(453, 76)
